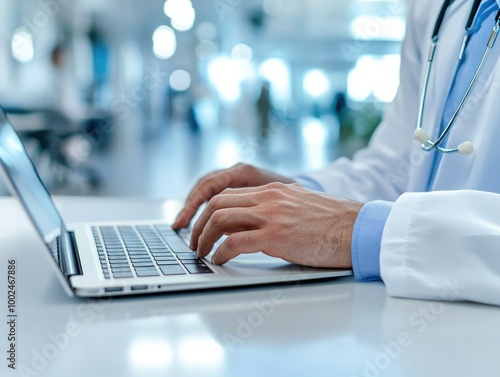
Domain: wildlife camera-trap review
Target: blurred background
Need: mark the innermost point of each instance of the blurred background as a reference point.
(142, 97)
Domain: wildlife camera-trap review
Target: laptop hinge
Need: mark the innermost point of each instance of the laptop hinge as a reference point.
(69, 260)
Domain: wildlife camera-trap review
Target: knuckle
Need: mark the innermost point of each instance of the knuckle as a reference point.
(231, 242)
(239, 165)
(227, 191)
(213, 204)
(217, 219)
(274, 194)
(202, 239)
(203, 181)
(277, 186)
(244, 169)
(211, 188)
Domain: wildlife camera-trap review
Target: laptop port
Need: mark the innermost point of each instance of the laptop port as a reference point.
(114, 289)
(139, 288)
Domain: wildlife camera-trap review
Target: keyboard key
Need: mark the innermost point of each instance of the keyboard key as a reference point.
(145, 272)
(141, 259)
(167, 263)
(163, 227)
(163, 253)
(112, 243)
(117, 257)
(122, 275)
(172, 270)
(198, 261)
(177, 245)
(165, 258)
(138, 253)
(157, 247)
(167, 233)
(115, 251)
(187, 256)
(143, 264)
(134, 245)
(119, 264)
(198, 269)
(120, 269)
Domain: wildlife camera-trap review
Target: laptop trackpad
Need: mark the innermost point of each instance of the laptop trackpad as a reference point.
(256, 260)
(256, 264)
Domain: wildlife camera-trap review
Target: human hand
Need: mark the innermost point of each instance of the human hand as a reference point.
(240, 175)
(281, 220)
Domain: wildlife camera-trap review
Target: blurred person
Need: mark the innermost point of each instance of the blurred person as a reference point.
(339, 106)
(100, 58)
(65, 96)
(264, 109)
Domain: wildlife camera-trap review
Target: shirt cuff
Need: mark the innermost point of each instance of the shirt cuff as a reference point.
(366, 240)
(308, 183)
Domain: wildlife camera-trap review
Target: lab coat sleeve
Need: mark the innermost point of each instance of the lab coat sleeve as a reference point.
(443, 246)
(379, 172)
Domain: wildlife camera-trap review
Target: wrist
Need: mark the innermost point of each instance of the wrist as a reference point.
(352, 210)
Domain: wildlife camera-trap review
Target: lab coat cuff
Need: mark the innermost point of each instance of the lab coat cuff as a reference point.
(308, 183)
(366, 240)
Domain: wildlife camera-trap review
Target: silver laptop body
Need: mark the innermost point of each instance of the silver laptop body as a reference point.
(124, 258)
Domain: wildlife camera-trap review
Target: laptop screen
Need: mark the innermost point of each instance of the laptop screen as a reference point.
(26, 183)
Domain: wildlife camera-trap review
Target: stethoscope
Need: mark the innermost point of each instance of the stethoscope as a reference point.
(420, 135)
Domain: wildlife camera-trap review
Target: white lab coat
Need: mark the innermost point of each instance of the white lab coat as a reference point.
(444, 244)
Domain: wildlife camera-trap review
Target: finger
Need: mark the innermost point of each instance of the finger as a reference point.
(238, 243)
(216, 203)
(203, 191)
(226, 221)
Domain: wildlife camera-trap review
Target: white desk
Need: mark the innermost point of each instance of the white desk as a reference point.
(334, 328)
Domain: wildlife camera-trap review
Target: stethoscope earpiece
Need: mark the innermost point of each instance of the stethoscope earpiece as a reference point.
(466, 148)
(421, 136)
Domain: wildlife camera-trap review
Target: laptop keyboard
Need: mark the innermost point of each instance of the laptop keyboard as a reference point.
(144, 251)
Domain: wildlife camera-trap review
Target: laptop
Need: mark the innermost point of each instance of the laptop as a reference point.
(126, 258)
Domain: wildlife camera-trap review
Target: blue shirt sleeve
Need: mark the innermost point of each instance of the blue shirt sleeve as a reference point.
(308, 183)
(366, 240)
